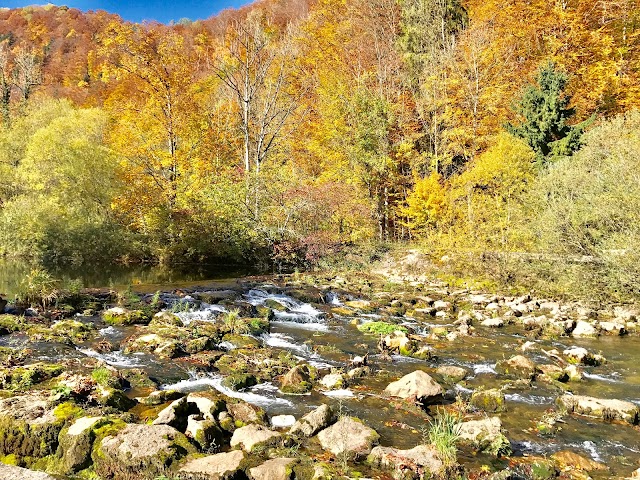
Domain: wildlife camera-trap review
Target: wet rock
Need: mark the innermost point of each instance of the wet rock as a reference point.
(451, 373)
(348, 436)
(602, 408)
(554, 372)
(297, 380)
(254, 435)
(579, 355)
(313, 422)
(441, 305)
(573, 372)
(584, 329)
(491, 400)
(111, 397)
(275, 469)
(123, 316)
(165, 318)
(417, 386)
(422, 461)
(613, 328)
(159, 397)
(568, 460)
(239, 381)
(154, 343)
(486, 435)
(517, 366)
(9, 472)
(222, 466)
(175, 415)
(493, 322)
(76, 444)
(241, 341)
(333, 381)
(142, 450)
(635, 474)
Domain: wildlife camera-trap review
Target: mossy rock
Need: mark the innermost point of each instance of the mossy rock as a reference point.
(10, 324)
(275, 305)
(198, 345)
(121, 317)
(165, 318)
(138, 378)
(257, 326)
(491, 400)
(239, 381)
(241, 341)
(381, 328)
(265, 312)
(108, 377)
(23, 378)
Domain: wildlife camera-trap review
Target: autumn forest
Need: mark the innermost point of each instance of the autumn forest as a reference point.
(290, 129)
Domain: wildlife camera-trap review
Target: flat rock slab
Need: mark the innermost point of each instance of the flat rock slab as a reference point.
(601, 408)
(313, 422)
(417, 386)
(9, 472)
(276, 469)
(221, 466)
(33, 409)
(253, 435)
(418, 460)
(348, 435)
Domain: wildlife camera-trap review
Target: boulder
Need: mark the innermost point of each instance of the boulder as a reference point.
(452, 373)
(584, 329)
(222, 466)
(333, 381)
(419, 462)
(417, 386)
(174, 415)
(491, 400)
(76, 444)
(210, 404)
(244, 413)
(313, 422)
(485, 435)
(282, 421)
(9, 472)
(493, 323)
(254, 435)
(297, 380)
(579, 355)
(572, 461)
(275, 469)
(159, 397)
(613, 328)
(517, 366)
(348, 436)
(205, 432)
(601, 408)
(140, 448)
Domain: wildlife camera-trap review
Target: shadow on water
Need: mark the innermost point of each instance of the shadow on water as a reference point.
(13, 272)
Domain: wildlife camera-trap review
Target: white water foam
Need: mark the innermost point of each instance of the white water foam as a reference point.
(206, 313)
(480, 368)
(528, 399)
(108, 331)
(195, 383)
(343, 393)
(115, 359)
(602, 378)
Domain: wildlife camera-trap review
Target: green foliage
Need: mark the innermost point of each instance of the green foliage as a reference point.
(443, 433)
(38, 288)
(546, 112)
(381, 328)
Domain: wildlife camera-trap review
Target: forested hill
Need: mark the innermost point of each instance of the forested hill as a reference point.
(288, 128)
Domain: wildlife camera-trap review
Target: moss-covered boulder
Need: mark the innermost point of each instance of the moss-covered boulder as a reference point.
(517, 366)
(153, 343)
(297, 381)
(140, 451)
(239, 381)
(605, 409)
(491, 400)
(22, 378)
(348, 436)
(274, 469)
(76, 443)
(486, 436)
(252, 436)
(122, 316)
(221, 466)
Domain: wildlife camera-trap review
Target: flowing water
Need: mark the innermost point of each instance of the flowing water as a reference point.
(325, 341)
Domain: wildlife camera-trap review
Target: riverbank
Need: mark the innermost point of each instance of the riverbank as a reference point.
(220, 378)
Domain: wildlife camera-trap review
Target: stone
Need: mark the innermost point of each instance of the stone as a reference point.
(554, 372)
(491, 400)
(313, 422)
(584, 329)
(601, 408)
(333, 381)
(140, 448)
(517, 366)
(417, 386)
(221, 466)
(204, 431)
(159, 397)
(635, 474)
(493, 322)
(252, 436)
(275, 469)
(282, 421)
(244, 413)
(452, 373)
(9, 472)
(422, 461)
(348, 436)
(579, 355)
(613, 328)
(209, 404)
(174, 415)
(571, 460)
(573, 372)
(297, 380)
(441, 305)
(485, 435)
(76, 444)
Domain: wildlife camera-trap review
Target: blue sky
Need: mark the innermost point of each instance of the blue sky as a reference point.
(138, 10)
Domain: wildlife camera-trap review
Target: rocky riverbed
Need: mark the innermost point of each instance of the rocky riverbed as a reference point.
(318, 377)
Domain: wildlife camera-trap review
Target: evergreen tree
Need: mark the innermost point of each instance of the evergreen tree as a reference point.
(546, 111)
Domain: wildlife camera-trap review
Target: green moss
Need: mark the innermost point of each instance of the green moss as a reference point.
(106, 377)
(10, 324)
(239, 381)
(128, 317)
(23, 378)
(298, 388)
(10, 459)
(67, 410)
(381, 328)
(488, 400)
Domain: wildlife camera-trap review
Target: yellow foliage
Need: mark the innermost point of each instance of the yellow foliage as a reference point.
(426, 203)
